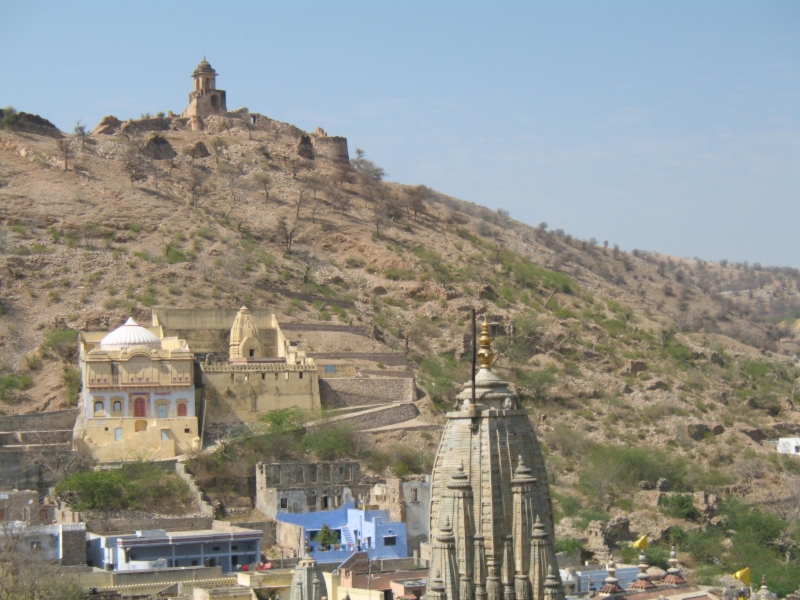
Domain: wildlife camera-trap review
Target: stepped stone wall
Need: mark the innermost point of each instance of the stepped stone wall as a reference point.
(341, 392)
(46, 421)
(402, 411)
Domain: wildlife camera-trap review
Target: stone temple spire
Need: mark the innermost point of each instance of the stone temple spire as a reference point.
(643, 578)
(674, 575)
(307, 581)
(489, 484)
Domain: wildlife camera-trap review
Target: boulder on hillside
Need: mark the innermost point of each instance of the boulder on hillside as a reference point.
(197, 150)
(663, 484)
(637, 366)
(718, 429)
(627, 389)
(757, 435)
(158, 148)
(110, 125)
(697, 431)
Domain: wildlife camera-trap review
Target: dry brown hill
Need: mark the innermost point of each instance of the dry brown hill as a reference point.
(620, 345)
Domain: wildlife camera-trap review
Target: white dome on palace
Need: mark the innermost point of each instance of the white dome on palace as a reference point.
(128, 335)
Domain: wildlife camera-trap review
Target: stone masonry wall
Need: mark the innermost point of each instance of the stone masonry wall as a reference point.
(403, 411)
(73, 547)
(361, 391)
(114, 526)
(48, 421)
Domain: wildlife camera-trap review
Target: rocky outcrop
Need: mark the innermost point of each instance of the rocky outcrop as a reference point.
(158, 148)
(110, 125)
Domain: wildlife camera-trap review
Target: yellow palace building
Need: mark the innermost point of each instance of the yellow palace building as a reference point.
(138, 397)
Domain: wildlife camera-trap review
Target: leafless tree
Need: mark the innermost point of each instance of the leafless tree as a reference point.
(232, 174)
(66, 150)
(264, 181)
(217, 145)
(415, 199)
(289, 232)
(314, 208)
(134, 164)
(197, 186)
(298, 203)
(379, 216)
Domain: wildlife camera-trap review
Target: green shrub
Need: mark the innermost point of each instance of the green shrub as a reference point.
(354, 262)
(12, 382)
(610, 472)
(679, 506)
(135, 486)
(72, 383)
(569, 544)
(399, 274)
(60, 341)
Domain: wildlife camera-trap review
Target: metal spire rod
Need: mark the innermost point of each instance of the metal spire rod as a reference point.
(474, 353)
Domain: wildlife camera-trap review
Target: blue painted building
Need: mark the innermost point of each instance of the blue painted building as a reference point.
(227, 546)
(367, 531)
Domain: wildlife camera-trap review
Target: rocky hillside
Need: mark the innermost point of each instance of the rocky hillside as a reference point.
(691, 362)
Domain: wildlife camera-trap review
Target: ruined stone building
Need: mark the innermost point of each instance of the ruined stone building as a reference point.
(138, 397)
(491, 513)
(304, 486)
(407, 499)
(205, 99)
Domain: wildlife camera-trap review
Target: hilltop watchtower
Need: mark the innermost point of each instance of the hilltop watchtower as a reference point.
(205, 99)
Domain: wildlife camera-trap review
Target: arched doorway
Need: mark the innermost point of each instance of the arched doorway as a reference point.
(140, 426)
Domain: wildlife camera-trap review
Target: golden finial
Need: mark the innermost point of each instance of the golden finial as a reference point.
(485, 355)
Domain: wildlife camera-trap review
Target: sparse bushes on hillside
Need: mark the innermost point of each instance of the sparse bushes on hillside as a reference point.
(135, 486)
(60, 342)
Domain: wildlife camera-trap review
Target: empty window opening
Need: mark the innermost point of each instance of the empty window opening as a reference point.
(252, 352)
(300, 375)
(263, 376)
(414, 494)
(390, 540)
(284, 503)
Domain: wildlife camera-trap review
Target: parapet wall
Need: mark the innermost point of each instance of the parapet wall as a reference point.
(118, 526)
(341, 392)
(332, 148)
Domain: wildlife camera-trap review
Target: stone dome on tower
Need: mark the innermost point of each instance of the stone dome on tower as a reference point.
(128, 335)
(204, 67)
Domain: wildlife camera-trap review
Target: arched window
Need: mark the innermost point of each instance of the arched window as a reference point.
(181, 409)
(117, 406)
(99, 407)
(139, 407)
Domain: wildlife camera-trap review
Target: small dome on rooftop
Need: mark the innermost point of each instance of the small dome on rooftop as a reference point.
(204, 67)
(128, 335)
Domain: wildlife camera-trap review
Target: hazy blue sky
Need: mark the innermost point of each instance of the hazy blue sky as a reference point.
(667, 126)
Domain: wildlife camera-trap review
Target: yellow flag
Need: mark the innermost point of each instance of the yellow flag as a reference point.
(743, 576)
(641, 543)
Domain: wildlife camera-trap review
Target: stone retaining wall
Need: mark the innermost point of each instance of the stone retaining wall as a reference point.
(341, 392)
(46, 421)
(392, 359)
(403, 411)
